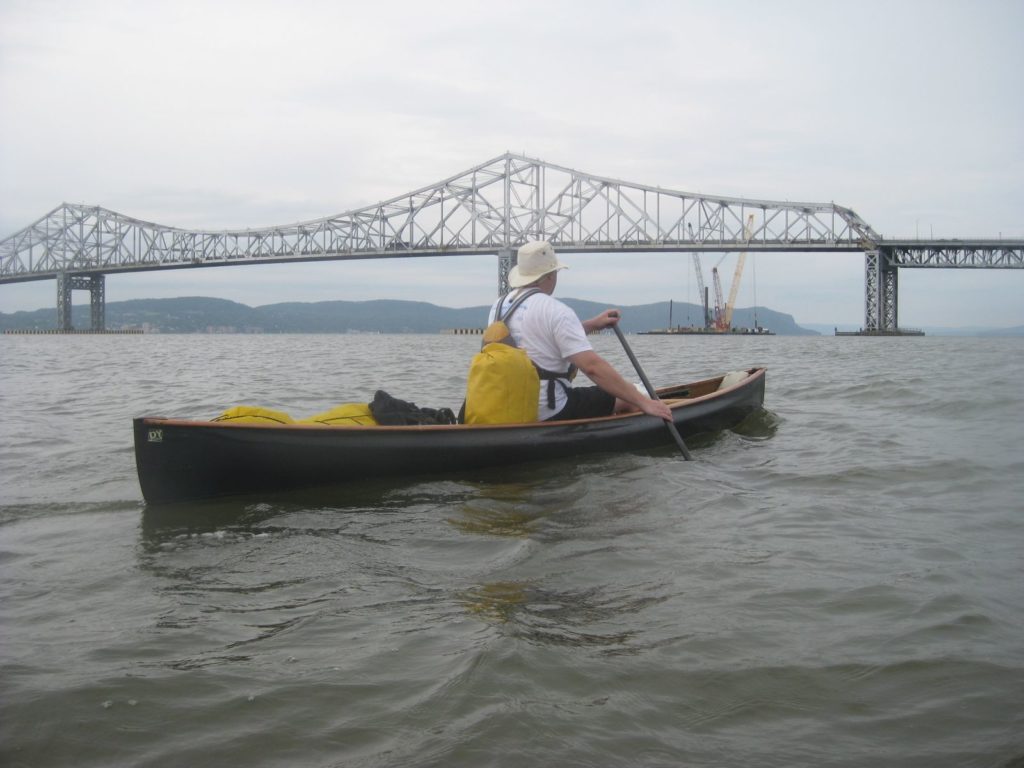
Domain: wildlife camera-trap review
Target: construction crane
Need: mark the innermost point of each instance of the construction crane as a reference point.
(723, 309)
(700, 280)
(748, 232)
(720, 322)
(700, 285)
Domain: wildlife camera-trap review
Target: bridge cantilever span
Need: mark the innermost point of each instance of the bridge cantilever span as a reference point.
(492, 207)
(488, 209)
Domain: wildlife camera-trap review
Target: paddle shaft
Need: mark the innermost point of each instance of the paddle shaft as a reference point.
(650, 391)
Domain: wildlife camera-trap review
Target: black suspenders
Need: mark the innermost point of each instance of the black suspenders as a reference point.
(549, 376)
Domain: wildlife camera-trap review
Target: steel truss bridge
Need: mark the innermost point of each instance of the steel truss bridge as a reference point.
(489, 209)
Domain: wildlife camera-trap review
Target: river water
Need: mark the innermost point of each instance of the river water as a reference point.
(839, 582)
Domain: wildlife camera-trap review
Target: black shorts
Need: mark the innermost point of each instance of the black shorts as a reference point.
(585, 403)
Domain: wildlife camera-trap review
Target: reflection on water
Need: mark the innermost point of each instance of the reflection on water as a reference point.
(501, 509)
(496, 601)
(762, 424)
(253, 514)
(476, 518)
(163, 523)
(548, 616)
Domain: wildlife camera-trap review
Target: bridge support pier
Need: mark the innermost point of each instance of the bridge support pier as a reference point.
(95, 285)
(506, 260)
(881, 291)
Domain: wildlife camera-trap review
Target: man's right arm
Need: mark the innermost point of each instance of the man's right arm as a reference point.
(601, 372)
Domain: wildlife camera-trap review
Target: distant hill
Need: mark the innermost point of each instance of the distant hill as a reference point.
(646, 317)
(195, 314)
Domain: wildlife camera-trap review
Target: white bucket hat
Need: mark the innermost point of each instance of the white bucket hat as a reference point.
(534, 260)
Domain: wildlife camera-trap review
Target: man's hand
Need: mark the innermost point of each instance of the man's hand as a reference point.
(606, 319)
(656, 408)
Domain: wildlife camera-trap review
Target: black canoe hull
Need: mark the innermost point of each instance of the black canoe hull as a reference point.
(180, 460)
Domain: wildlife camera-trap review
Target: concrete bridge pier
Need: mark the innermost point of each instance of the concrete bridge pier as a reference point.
(95, 285)
(881, 291)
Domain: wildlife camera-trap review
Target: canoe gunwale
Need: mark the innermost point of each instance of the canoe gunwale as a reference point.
(676, 404)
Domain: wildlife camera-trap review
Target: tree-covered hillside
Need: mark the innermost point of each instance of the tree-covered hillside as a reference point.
(195, 314)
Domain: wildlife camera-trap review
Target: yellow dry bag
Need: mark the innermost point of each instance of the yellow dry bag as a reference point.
(503, 385)
(345, 415)
(254, 414)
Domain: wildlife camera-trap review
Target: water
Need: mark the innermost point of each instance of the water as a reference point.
(837, 583)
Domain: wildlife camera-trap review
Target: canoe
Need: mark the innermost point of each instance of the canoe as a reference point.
(185, 460)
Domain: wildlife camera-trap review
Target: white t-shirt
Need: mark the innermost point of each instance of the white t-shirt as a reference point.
(550, 333)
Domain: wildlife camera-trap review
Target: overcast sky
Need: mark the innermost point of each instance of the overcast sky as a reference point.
(223, 115)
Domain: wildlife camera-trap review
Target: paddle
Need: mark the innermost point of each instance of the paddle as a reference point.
(650, 391)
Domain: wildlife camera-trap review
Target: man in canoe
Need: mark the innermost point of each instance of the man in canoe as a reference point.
(556, 341)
